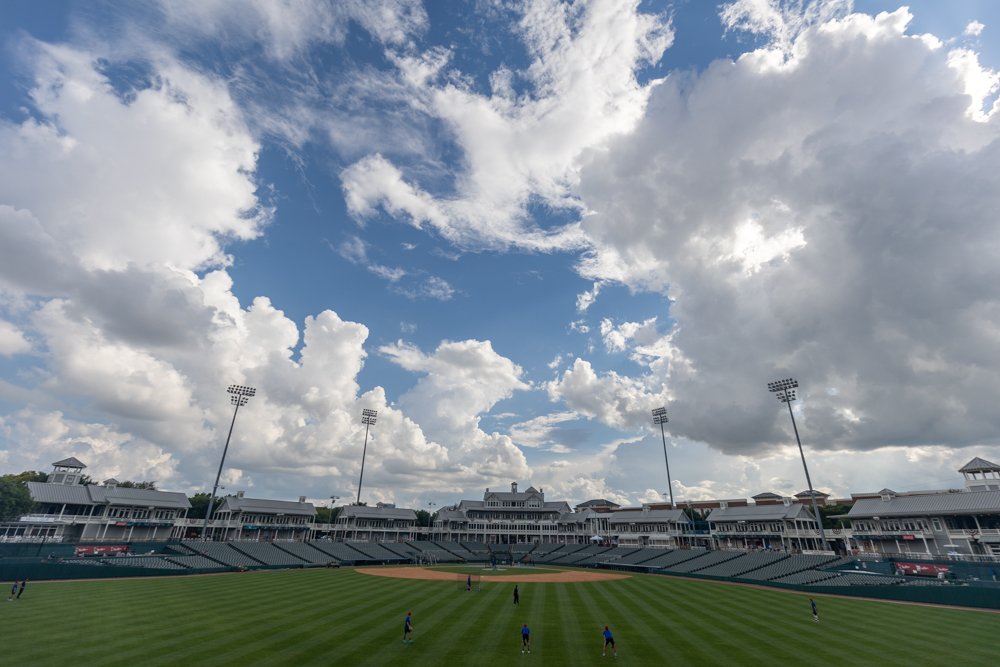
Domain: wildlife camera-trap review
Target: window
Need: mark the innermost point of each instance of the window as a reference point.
(936, 523)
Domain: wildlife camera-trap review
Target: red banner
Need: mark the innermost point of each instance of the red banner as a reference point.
(104, 550)
(922, 569)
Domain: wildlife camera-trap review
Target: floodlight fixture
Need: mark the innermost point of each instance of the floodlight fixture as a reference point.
(660, 417)
(368, 419)
(785, 389)
(240, 395)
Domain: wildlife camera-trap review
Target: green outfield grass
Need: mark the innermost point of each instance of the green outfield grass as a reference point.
(340, 617)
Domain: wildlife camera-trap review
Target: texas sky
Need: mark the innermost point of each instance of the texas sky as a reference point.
(513, 229)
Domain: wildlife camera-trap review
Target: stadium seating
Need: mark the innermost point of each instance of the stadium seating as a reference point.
(611, 555)
(791, 565)
(707, 559)
(579, 555)
(267, 553)
(84, 561)
(150, 562)
(670, 558)
(640, 556)
(432, 552)
(858, 579)
(223, 553)
(543, 549)
(479, 551)
(806, 577)
(304, 551)
(744, 563)
(342, 553)
(455, 548)
(385, 552)
(557, 555)
(194, 562)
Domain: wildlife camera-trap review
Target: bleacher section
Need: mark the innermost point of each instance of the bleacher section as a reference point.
(432, 552)
(342, 553)
(791, 565)
(744, 563)
(455, 549)
(852, 579)
(671, 558)
(806, 577)
(557, 555)
(579, 555)
(543, 549)
(305, 551)
(222, 553)
(194, 562)
(151, 562)
(612, 555)
(389, 552)
(640, 556)
(84, 561)
(267, 553)
(480, 552)
(708, 559)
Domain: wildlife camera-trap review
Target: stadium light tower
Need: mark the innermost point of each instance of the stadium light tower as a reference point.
(785, 390)
(368, 419)
(240, 395)
(333, 503)
(660, 417)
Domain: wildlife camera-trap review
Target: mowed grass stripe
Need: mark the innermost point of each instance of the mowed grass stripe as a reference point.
(637, 627)
(568, 616)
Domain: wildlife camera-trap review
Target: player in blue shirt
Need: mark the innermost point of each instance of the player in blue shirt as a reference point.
(408, 627)
(609, 640)
(814, 610)
(525, 639)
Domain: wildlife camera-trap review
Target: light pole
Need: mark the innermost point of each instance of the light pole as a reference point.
(785, 390)
(368, 419)
(660, 417)
(240, 395)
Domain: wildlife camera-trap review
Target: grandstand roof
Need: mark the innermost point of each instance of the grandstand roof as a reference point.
(363, 511)
(761, 513)
(71, 462)
(70, 494)
(979, 465)
(448, 514)
(76, 494)
(972, 502)
(116, 495)
(576, 517)
(261, 506)
(817, 492)
(598, 502)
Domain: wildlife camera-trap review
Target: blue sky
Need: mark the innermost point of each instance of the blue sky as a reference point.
(513, 229)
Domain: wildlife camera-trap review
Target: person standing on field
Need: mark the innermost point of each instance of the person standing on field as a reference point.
(24, 583)
(609, 640)
(408, 627)
(517, 596)
(13, 591)
(525, 639)
(814, 610)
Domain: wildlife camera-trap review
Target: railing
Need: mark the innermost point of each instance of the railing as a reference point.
(30, 539)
